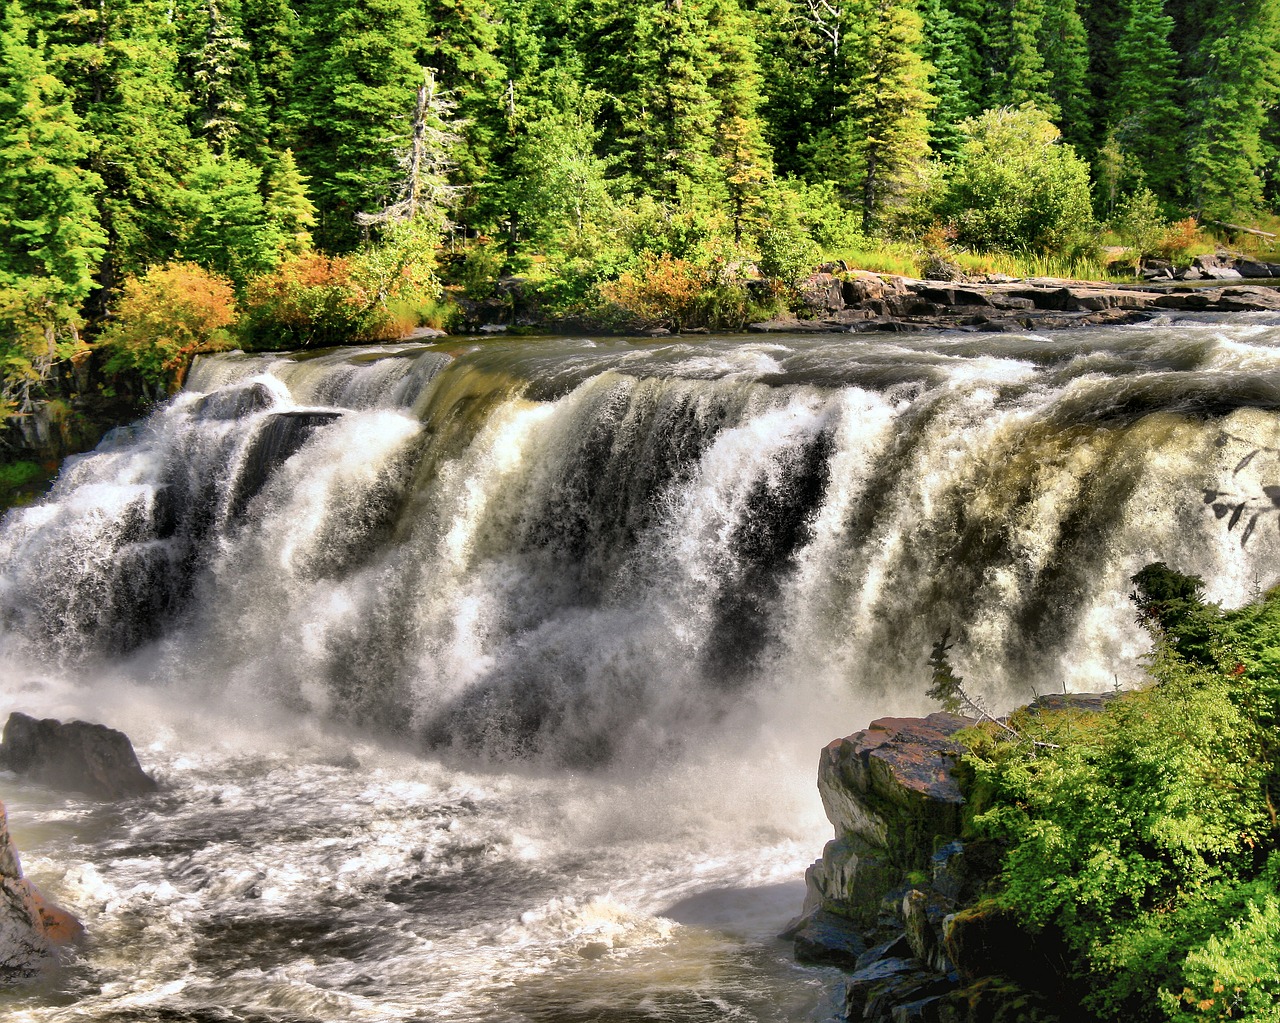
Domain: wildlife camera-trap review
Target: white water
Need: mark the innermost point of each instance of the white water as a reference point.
(488, 682)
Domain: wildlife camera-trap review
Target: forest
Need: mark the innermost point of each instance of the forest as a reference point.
(184, 175)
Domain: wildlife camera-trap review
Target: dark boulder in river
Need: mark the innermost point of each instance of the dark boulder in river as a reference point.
(79, 756)
(32, 929)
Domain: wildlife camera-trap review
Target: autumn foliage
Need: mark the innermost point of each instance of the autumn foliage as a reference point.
(662, 291)
(310, 301)
(165, 317)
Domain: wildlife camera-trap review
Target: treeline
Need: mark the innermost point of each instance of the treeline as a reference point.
(254, 140)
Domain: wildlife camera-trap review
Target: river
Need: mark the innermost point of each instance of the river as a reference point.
(486, 680)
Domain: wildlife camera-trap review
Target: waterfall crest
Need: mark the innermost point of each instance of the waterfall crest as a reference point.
(585, 550)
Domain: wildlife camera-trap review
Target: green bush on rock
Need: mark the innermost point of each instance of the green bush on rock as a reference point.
(1145, 836)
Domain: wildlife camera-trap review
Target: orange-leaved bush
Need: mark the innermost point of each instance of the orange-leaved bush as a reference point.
(662, 291)
(309, 301)
(166, 317)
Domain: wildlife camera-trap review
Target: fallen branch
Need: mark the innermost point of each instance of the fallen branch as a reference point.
(1242, 229)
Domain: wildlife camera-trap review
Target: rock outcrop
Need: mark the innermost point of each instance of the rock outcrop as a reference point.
(857, 301)
(79, 756)
(903, 880)
(33, 931)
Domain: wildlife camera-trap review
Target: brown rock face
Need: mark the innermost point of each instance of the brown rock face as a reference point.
(32, 929)
(892, 785)
(83, 757)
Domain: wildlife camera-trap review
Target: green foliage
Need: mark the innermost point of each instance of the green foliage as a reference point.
(1139, 224)
(1146, 837)
(787, 251)
(227, 227)
(52, 238)
(17, 480)
(945, 686)
(1016, 185)
(356, 78)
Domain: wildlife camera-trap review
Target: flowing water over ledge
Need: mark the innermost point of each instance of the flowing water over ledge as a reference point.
(486, 681)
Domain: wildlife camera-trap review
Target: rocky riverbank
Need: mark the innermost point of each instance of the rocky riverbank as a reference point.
(839, 300)
(897, 896)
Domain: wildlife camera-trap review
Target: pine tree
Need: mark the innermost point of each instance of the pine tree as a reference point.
(802, 61)
(461, 46)
(944, 48)
(288, 204)
(557, 181)
(740, 146)
(356, 76)
(52, 240)
(1015, 38)
(1237, 80)
(120, 59)
(1144, 119)
(226, 226)
(423, 193)
(1065, 46)
(229, 104)
(886, 126)
(657, 75)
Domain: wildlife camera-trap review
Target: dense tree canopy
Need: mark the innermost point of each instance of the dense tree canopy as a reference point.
(234, 134)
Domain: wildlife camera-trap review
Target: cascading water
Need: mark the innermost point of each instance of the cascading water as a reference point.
(486, 681)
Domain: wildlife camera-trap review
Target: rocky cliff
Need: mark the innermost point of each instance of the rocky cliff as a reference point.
(897, 897)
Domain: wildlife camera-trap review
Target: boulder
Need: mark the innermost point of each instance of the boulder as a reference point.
(33, 931)
(1254, 269)
(823, 292)
(825, 939)
(892, 785)
(79, 756)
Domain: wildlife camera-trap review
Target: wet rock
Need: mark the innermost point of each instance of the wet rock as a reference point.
(825, 939)
(83, 757)
(33, 931)
(892, 785)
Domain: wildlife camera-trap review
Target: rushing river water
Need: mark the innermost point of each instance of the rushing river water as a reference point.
(486, 681)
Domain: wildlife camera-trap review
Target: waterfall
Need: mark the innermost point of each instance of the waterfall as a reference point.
(586, 551)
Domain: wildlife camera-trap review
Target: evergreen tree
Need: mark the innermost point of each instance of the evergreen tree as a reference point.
(557, 181)
(802, 62)
(886, 126)
(1015, 37)
(120, 57)
(288, 204)
(270, 28)
(1144, 119)
(1066, 60)
(226, 225)
(461, 47)
(423, 194)
(229, 104)
(944, 48)
(1237, 78)
(658, 76)
(52, 240)
(356, 76)
(740, 146)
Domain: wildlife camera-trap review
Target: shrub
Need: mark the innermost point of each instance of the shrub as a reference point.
(1139, 224)
(166, 317)
(1147, 837)
(1016, 185)
(309, 301)
(662, 291)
